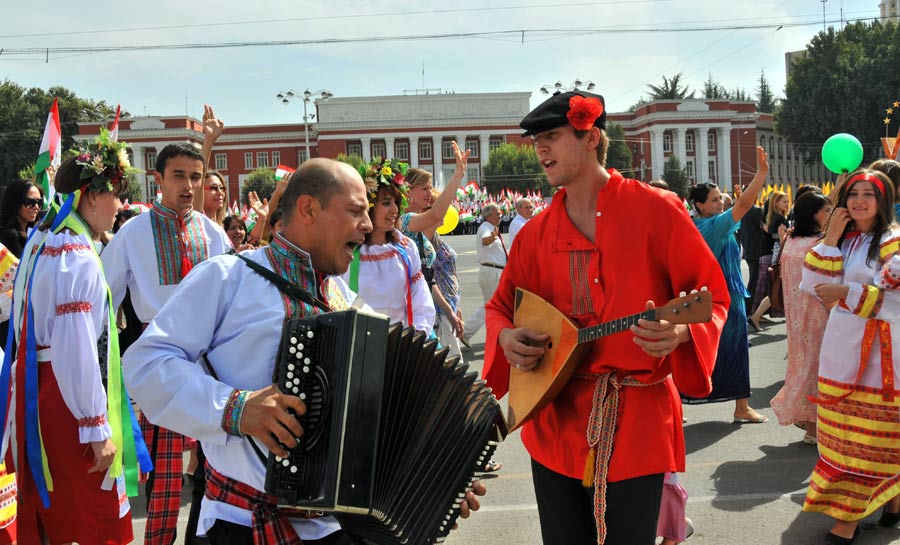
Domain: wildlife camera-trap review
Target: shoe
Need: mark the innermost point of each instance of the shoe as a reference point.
(754, 324)
(492, 466)
(888, 519)
(690, 528)
(465, 342)
(758, 420)
(833, 539)
(811, 440)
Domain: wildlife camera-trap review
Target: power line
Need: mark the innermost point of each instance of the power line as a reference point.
(45, 52)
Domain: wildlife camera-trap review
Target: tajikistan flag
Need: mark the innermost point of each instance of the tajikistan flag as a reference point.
(114, 131)
(281, 171)
(49, 155)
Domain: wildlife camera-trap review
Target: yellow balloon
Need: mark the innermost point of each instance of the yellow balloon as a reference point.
(451, 220)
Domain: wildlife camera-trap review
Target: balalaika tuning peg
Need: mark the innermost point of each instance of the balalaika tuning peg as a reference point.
(703, 289)
(682, 294)
(693, 292)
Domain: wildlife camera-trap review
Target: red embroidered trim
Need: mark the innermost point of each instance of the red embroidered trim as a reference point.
(379, 257)
(55, 251)
(70, 308)
(416, 277)
(91, 421)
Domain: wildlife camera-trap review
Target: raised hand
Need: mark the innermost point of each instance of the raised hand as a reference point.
(260, 207)
(462, 159)
(838, 221)
(212, 126)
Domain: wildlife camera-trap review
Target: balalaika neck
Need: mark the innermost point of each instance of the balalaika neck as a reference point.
(588, 334)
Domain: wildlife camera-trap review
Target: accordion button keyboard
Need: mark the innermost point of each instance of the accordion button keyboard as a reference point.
(305, 369)
(291, 367)
(310, 334)
(293, 340)
(292, 350)
(285, 462)
(293, 469)
(302, 396)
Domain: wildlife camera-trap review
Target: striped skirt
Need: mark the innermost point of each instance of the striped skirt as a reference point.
(859, 452)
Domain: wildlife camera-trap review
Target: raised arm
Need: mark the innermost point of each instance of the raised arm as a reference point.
(749, 195)
(212, 129)
(435, 215)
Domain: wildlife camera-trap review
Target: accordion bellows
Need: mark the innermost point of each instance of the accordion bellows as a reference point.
(394, 431)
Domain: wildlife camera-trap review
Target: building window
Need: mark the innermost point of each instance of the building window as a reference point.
(301, 156)
(689, 168)
(689, 141)
(712, 171)
(472, 173)
(425, 150)
(447, 149)
(276, 158)
(248, 161)
(154, 192)
(151, 160)
(401, 151)
(711, 141)
(354, 148)
(262, 159)
(667, 143)
(378, 150)
(472, 146)
(221, 161)
(780, 154)
(494, 143)
(762, 142)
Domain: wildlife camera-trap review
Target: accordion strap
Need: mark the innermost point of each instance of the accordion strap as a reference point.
(288, 288)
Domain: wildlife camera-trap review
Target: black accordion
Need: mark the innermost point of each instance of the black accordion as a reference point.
(394, 430)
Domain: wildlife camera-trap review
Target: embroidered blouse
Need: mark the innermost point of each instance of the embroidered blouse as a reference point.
(428, 253)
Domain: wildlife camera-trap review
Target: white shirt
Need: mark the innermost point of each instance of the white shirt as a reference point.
(383, 283)
(514, 227)
(235, 316)
(494, 253)
(129, 261)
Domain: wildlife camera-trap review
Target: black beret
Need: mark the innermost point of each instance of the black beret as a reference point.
(553, 112)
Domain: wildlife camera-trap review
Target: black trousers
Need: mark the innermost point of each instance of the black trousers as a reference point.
(199, 490)
(229, 533)
(566, 509)
(753, 267)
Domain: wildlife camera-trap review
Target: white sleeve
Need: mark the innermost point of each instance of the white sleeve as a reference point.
(116, 265)
(822, 265)
(80, 295)
(162, 369)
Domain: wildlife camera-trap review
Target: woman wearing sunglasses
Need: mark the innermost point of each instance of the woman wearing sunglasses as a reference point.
(19, 210)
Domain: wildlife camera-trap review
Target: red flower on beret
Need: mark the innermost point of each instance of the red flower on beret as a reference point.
(583, 112)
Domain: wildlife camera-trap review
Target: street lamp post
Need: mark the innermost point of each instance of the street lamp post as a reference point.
(558, 87)
(740, 164)
(306, 96)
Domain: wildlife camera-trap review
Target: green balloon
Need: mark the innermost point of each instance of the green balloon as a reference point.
(842, 153)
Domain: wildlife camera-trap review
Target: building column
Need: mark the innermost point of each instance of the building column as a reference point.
(414, 151)
(726, 170)
(678, 146)
(389, 146)
(701, 150)
(437, 161)
(366, 149)
(657, 156)
(484, 144)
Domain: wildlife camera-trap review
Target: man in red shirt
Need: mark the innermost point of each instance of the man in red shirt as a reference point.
(605, 248)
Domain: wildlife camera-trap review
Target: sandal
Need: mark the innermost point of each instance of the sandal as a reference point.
(492, 466)
(834, 539)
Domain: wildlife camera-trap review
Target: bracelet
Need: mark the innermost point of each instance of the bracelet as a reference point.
(234, 409)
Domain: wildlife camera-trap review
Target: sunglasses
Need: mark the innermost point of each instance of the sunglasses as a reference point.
(217, 188)
(29, 203)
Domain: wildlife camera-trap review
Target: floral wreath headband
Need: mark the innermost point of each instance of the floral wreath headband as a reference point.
(104, 162)
(389, 172)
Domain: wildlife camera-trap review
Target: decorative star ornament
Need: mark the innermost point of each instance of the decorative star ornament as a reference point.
(890, 111)
(896, 104)
(887, 120)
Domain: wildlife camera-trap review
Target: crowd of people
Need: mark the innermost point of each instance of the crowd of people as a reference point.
(194, 295)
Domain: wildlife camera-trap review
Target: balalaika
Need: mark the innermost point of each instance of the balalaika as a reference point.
(394, 431)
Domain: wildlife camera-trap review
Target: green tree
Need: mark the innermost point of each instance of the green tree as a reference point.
(261, 180)
(618, 156)
(671, 89)
(23, 115)
(843, 84)
(765, 99)
(134, 192)
(676, 177)
(712, 89)
(353, 160)
(738, 94)
(514, 167)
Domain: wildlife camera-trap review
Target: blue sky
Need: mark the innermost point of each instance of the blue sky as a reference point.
(241, 83)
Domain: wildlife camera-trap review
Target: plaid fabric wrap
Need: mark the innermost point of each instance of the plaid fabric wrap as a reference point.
(270, 525)
(164, 501)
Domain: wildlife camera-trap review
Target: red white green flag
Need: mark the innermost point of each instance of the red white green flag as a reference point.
(49, 155)
(114, 131)
(281, 171)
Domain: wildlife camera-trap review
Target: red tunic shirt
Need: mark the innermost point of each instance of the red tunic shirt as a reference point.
(646, 248)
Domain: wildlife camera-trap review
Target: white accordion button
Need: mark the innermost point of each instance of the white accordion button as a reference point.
(306, 369)
(299, 346)
(291, 367)
(285, 463)
(290, 375)
(293, 340)
(293, 469)
(278, 459)
(292, 350)
(302, 395)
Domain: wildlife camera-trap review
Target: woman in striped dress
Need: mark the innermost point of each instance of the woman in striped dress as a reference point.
(856, 271)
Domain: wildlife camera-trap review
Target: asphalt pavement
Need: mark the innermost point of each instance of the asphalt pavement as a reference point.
(746, 482)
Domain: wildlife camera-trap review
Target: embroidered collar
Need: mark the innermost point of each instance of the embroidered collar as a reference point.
(168, 213)
(291, 251)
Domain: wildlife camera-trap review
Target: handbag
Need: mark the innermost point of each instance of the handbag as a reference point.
(776, 294)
